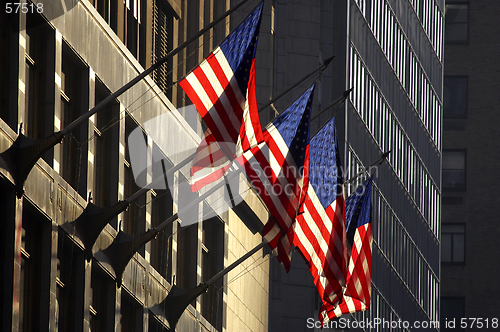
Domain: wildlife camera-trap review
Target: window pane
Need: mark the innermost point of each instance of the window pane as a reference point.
(458, 248)
(456, 13)
(452, 307)
(456, 21)
(446, 247)
(454, 160)
(454, 170)
(455, 96)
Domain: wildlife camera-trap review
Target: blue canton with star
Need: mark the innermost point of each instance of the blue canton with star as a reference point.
(325, 173)
(357, 209)
(293, 125)
(240, 46)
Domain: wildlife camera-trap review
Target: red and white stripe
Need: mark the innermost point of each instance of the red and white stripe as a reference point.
(231, 116)
(274, 174)
(320, 236)
(358, 288)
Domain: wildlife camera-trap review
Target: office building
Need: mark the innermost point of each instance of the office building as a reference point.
(391, 53)
(60, 59)
(67, 59)
(470, 154)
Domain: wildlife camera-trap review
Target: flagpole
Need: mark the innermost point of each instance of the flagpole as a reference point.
(379, 161)
(23, 154)
(336, 103)
(320, 68)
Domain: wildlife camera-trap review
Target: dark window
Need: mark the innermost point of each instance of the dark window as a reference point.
(74, 92)
(162, 30)
(70, 285)
(134, 222)
(453, 243)
(212, 263)
(34, 296)
(39, 80)
(161, 246)
(9, 53)
(455, 96)
(103, 301)
(454, 172)
(457, 23)
(131, 312)
(108, 9)
(452, 308)
(135, 28)
(107, 149)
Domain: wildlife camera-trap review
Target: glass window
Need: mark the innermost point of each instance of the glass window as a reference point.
(456, 23)
(455, 96)
(453, 243)
(451, 308)
(454, 170)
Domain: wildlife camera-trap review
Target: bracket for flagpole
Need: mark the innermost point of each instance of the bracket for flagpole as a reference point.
(94, 218)
(23, 154)
(92, 221)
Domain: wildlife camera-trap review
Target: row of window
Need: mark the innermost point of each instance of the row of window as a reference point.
(390, 37)
(424, 99)
(400, 250)
(388, 133)
(379, 309)
(432, 21)
(403, 60)
(388, 32)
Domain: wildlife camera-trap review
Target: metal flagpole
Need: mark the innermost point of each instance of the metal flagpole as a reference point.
(378, 162)
(320, 68)
(23, 154)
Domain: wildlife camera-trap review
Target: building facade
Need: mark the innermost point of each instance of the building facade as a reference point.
(68, 58)
(58, 61)
(470, 151)
(391, 53)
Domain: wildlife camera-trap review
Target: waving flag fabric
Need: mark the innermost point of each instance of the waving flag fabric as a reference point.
(222, 88)
(278, 170)
(359, 236)
(319, 231)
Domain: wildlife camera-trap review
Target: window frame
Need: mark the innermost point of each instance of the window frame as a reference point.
(466, 112)
(466, 40)
(451, 189)
(452, 262)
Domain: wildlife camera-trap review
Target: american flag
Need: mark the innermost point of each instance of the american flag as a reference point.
(278, 170)
(222, 88)
(359, 236)
(319, 231)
